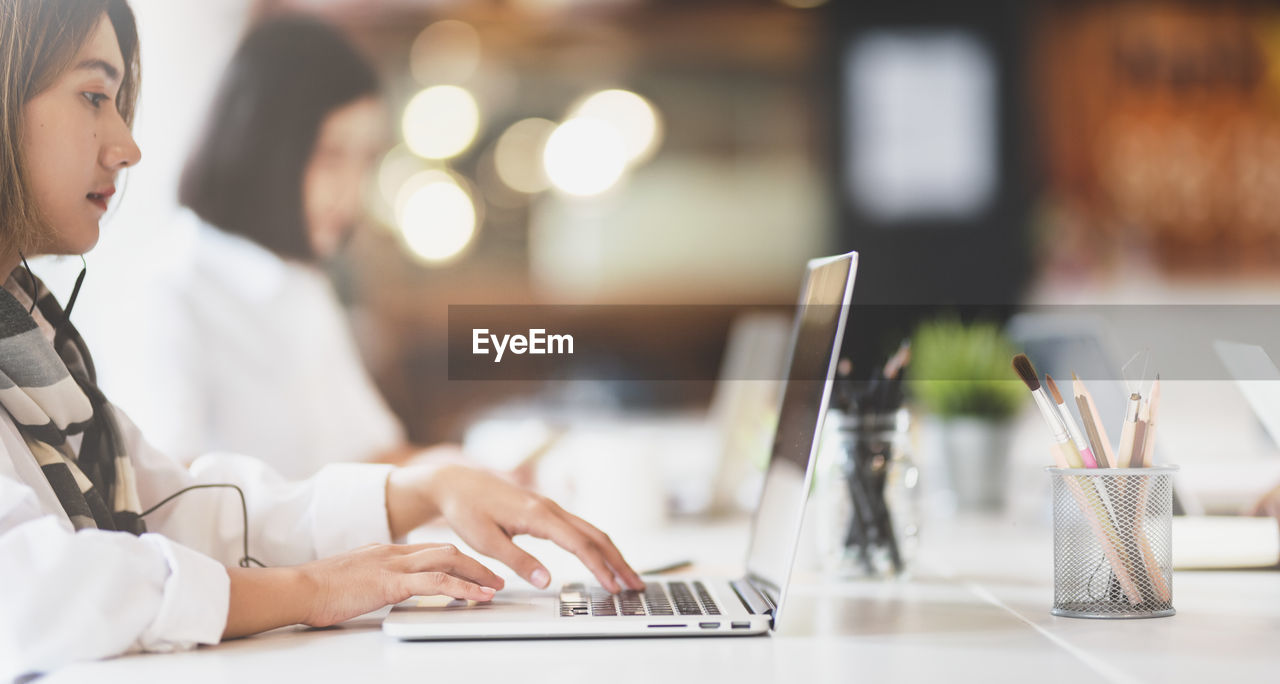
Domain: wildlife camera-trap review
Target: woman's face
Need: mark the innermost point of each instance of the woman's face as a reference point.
(74, 141)
(348, 145)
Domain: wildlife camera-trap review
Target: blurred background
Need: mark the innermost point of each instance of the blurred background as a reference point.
(984, 154)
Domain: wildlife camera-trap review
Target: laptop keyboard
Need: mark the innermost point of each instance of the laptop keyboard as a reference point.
(658, 598)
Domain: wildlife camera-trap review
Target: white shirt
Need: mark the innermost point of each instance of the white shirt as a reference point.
(250, 353)
(67, 596)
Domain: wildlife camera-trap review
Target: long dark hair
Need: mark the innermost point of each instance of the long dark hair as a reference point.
(245, 174)
(38, 40)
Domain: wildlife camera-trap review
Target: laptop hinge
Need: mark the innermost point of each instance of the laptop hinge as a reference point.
(755, 601)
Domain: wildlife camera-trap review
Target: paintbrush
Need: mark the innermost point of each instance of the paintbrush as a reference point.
(1077, 437)
(1062, 441)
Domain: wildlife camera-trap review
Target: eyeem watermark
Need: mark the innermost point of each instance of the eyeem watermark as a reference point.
(537, 342)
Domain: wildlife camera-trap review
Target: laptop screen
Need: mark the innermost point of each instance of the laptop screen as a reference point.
(816, 337)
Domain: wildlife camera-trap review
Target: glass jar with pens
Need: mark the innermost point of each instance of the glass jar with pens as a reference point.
(867, 495)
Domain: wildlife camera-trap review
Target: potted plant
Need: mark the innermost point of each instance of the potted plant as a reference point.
(960, 376)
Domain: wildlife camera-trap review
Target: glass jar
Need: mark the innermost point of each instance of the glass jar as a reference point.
(866, 497)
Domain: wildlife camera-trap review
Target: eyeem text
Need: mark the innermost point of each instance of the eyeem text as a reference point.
(537, 342)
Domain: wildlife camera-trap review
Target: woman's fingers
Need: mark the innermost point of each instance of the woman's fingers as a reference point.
(546, 520)
(604, 544)
(444, 584)
(607, 547)
(358, 581)
(566, 536)
(495, 543)
(447, 558)
(406, 549)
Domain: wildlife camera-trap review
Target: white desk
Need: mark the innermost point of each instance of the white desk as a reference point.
(964, 617)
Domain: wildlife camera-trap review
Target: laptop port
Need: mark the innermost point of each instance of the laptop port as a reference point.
(709, 625)
(741, 625)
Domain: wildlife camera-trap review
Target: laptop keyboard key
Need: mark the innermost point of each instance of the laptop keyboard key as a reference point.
(673, 598)
(686, 604)
(656, 599)
(704, 597)
(602, 602)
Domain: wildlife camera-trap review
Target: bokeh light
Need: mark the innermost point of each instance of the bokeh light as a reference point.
(445, 52)
(518, 155)
(491, 190)
(584, 157)
(436, 216)
(396, 167)
(631, 115)
(440, 122)
(544, 6)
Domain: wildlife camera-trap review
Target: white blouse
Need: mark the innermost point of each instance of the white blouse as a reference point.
(249, 353)
(67, 596)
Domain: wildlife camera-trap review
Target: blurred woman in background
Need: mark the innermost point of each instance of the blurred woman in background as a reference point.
(253, 352)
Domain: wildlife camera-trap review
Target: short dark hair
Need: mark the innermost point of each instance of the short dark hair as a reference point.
(38, 40)
(245, 174)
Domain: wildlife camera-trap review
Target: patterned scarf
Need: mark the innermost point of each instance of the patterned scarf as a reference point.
(49, 390)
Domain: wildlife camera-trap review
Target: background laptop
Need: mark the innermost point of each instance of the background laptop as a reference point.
(690, 606)
(1258, 379)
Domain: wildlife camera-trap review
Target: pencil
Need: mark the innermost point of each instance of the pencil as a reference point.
(1141, 433)
(1093, 426)
(1154, 571)
(1153, 404)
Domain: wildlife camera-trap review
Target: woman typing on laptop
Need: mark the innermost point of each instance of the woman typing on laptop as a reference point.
(108, 546)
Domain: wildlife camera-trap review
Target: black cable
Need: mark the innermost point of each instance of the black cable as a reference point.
(245, 560)
(61, 330)
(31, 277)
(244, 509)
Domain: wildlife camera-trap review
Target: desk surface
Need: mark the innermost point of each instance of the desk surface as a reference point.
(963, 616)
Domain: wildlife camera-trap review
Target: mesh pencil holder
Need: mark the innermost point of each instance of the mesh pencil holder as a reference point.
(1113, 542)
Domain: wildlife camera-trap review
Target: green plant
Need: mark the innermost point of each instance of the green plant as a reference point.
(963, 370)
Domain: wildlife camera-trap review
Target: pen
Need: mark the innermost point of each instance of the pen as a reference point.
(1125, 453)
(668, 568)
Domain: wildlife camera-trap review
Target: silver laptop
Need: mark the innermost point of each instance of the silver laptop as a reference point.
(1256, 375)
(688, 606)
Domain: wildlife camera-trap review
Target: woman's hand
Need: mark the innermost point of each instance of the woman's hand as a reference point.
(487, 510)
(1268, 504)
(378, 575)
(326, 592)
